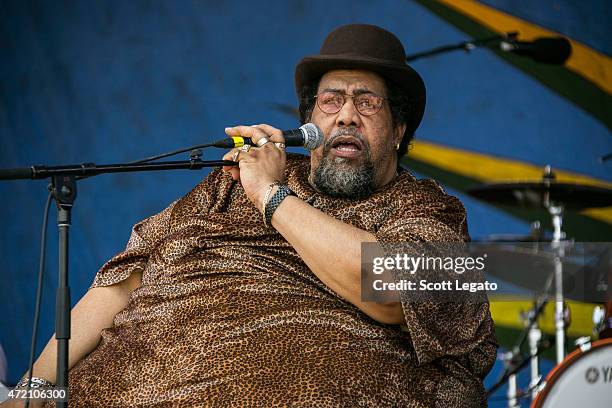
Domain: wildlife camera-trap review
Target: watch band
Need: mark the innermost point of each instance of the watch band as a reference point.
(272, 204)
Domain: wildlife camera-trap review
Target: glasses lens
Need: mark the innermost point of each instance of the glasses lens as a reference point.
(330, 102)
(368, 104)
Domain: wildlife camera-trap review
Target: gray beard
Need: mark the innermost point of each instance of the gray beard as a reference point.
(339, 178)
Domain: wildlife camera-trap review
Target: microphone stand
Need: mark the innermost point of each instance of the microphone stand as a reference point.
(465, 45)
(63, 189)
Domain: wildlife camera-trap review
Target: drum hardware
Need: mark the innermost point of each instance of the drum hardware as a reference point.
(557, 213)
(510, 361)
(602, 318)
(602, 286)
(535, 335)
(555, 197)
(532, 335)
(598, 319)
(583, 343)
(536, 232)
(514, 360)
(555, 210)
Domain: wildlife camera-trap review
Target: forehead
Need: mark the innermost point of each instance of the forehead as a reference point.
(348, 80)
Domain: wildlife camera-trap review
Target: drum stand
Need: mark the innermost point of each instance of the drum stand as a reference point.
(513, 359)
(533, 332)
(535, 335)
(556, 212)
(512, 393)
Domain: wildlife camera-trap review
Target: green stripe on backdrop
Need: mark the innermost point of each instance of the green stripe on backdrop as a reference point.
(576, 226)
(565, 82)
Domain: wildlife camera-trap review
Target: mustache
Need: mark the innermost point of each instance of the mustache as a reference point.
(349, 131)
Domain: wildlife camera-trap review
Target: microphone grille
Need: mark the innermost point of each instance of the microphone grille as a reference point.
(313, 136)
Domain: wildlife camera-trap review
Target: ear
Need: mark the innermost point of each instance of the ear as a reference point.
(399, 133)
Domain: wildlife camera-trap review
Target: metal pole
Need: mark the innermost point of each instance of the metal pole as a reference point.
(64, 193)
(535, 335)
(556, 213)
(62, 305)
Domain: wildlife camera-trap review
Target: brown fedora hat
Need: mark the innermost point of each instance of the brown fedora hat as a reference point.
(370, 48)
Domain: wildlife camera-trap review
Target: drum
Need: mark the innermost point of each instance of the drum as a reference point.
(583, 379)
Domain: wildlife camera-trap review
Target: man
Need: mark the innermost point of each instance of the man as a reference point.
(246, 292)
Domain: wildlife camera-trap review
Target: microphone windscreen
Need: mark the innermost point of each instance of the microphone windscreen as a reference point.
(552, 50)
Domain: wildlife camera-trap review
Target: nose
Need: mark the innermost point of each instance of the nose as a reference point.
(348, 115)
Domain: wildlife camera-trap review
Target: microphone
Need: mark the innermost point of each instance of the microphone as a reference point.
(549, 50)
(308, 136)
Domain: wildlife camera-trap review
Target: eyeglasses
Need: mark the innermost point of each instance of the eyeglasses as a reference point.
(367, 103)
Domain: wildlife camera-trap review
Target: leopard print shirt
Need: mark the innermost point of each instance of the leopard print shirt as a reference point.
(229, 315)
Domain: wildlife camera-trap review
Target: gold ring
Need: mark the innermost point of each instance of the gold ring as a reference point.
(262, 141)
(236, 154)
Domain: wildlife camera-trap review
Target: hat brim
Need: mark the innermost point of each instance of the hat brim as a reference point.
(312, 68)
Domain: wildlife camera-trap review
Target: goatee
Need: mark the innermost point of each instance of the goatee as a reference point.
(340, 177)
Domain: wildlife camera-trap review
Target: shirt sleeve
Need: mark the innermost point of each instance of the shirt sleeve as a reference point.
(463, 331)
(144, 237)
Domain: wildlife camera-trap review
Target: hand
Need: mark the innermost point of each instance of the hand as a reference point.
(260, 166)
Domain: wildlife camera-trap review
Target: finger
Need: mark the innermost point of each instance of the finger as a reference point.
(231, 155)
(274, 134)
(256, 133)
(235, 173)
(244, 131)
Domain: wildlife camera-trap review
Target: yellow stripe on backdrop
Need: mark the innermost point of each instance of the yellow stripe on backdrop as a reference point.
(506, 313)
(489, 169)
(585, 61)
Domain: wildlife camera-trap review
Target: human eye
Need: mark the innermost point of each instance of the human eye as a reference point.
(329, 97)
(366, 101)
(369, 101)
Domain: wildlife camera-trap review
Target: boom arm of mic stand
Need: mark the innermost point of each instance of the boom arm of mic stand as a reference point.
(90, 169)
(465, 45)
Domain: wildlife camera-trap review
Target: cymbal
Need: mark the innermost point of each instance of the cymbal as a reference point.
(530, 264)
(539, 194)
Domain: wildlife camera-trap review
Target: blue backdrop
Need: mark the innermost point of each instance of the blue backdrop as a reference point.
(114, 81)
